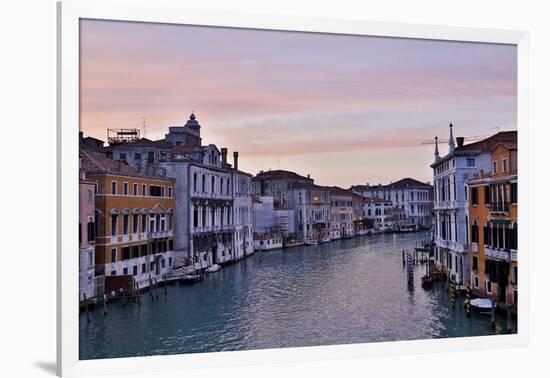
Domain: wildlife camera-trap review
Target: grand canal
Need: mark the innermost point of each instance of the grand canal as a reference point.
(347, 291)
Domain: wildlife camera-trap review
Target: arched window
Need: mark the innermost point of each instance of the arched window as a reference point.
(475, 232)
(91, 231)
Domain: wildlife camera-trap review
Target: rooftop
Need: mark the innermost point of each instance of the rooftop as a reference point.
(403, 183)
(280, 174)
(97, 163)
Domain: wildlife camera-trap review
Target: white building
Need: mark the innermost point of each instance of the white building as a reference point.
(311, 205)
(271, 219)
(380, 211)
(451, 199)
(242, 210)
(412, 196)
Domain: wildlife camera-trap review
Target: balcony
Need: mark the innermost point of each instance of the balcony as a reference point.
(159, 234)
(457, 247)
(499, 254)
(499, 207)
(445, 205)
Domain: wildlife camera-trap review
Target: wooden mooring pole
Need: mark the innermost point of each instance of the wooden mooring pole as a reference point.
(468, 305)
(86, 308)
(493, 314)
(509, 318)
(104, 304)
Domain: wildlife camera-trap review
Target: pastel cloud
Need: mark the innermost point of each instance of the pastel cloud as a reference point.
(274, 94)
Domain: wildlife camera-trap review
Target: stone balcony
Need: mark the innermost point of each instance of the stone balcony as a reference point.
(501, 254)
(160, 234)
(457, 247)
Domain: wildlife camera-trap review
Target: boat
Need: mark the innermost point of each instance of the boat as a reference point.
(214, 268)
(324, 240)
(311, 242)
(408, 228)
(191, 278)
(427, 282)
(481, 305)
(292, 243)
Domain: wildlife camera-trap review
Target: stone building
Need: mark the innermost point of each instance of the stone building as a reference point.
(277, 183)
(380, 211)
(410, 195)
(341, 213)
(311, 205)
(451, 223)
(86, 237)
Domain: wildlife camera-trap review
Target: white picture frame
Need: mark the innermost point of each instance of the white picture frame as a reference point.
(69, 14)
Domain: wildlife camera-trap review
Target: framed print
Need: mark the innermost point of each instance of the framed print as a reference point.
(278, 189)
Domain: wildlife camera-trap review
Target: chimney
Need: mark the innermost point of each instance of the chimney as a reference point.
(460, 141)
(236, 160)
(118, 165)
(308, 175)
(224, 157)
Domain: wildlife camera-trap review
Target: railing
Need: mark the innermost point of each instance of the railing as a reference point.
(159, 234)
(499, 207)
(497, 253)
(455, 246)
(446, 205)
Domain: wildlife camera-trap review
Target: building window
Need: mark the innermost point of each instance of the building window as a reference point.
(91, 231)
(212, 186)
(113, 272)
(113, 187)
(144, 223)
(488, 287)
(475, 232)
(514, 192)
(114, 224)
(170, 192)
(135, 270)
(143, 189)
(470, 162)
(135, 223)
(195, 181)
(137, 156)
(90, 195)
(143, 268)
(474, 263)
(125, 224)
(125, 271)
(135, 190)
(113, 255)
(203, 186)
(515, 296)
(126, 253)
(476, 282)
(473, 195)
(125, 187)
(494, 167)
(504, 165)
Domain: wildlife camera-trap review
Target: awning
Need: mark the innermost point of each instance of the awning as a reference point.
(500, 220)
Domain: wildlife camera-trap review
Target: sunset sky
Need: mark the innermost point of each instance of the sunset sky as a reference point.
(345, 109)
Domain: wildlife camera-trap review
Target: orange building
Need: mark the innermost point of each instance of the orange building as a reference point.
(494, 227)
(134, 220)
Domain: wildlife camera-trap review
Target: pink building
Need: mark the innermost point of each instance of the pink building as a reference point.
(86, 238)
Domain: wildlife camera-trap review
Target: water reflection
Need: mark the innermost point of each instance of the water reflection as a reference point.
(348, 291)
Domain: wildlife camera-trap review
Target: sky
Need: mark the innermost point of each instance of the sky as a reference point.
(346, 109)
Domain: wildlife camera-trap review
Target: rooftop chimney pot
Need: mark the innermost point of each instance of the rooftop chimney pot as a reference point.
(236, 160)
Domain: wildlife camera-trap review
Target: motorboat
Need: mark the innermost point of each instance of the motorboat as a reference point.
(214, 268)
(324, 240)
(311, 242)
(481, 305)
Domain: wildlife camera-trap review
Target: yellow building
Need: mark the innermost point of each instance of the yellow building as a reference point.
(135, 221)
(494, 227)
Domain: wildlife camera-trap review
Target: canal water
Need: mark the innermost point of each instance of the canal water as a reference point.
(348, 291)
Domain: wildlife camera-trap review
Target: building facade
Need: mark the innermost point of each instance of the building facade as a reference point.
(494, 227)
(135, 217)
(311, 205)
(242, 213)
(451, 208)
(342, 213)
(411, 196)
(86, 238)
(276, 184)
(380, 211)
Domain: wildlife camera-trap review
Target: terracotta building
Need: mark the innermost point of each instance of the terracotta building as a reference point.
(494, 227)
(135, 217)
